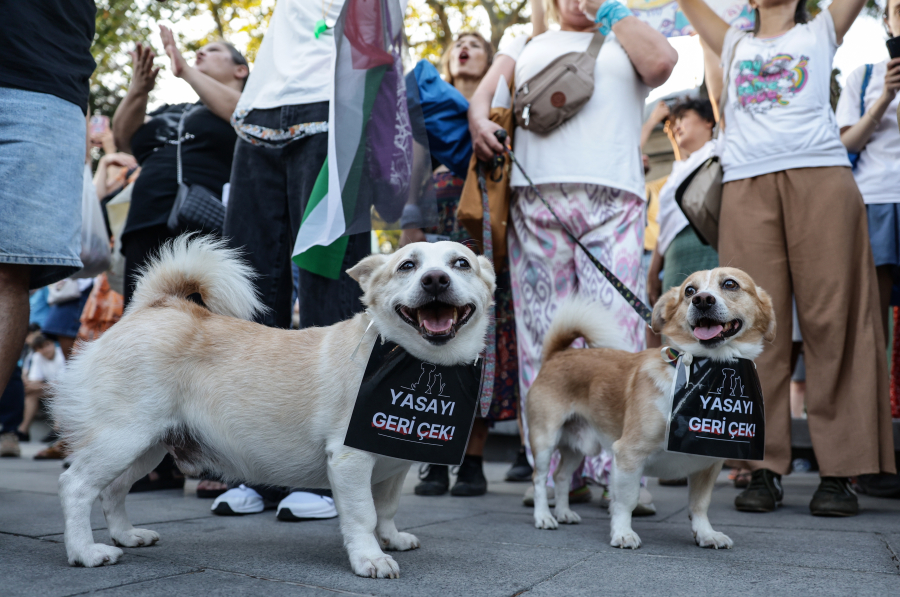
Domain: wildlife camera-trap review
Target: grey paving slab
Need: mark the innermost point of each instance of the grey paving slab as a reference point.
(40, 514)
(214, 583)
(616, 574)
(34, 567)
(823, 549)
(312, 553)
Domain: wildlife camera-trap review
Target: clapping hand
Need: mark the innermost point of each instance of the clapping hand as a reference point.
(179, 64)
(143, 77)
(660, 112)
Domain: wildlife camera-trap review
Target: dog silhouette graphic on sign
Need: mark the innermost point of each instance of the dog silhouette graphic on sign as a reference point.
(430, 378)
(734, 382)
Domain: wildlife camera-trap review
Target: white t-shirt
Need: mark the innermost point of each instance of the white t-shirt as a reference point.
(670, 217)
(778, 114)
(878, 170)
(601, 144)
(292, 66)
(42, 369)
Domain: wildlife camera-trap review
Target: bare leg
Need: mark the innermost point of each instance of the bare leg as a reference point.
(14, 310)
(33, 393)
(568, 462)
(350, 476)
(66, 344)
(478, 438)
(113, 500)
(387, 497)
(700, 493)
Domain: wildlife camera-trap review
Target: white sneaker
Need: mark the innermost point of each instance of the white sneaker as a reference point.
(238, 501)
(301, 505)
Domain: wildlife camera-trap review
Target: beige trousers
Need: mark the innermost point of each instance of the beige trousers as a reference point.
(804, 231)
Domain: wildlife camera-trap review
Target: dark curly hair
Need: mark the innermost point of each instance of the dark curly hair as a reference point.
(702, 107)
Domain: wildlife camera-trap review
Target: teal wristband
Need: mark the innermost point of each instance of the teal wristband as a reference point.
(610, 13)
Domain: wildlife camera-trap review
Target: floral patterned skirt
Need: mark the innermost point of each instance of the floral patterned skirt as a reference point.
(505, 403)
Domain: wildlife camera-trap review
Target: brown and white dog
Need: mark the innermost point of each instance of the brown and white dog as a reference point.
(601, 396)
(253, 403)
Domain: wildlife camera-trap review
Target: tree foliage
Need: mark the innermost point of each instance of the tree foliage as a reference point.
(121, 24)
(432, 24)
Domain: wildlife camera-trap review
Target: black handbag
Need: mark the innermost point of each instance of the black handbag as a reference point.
(196, 207)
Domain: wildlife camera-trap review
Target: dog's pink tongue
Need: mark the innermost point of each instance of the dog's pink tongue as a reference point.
(437, 320)
(707, 333)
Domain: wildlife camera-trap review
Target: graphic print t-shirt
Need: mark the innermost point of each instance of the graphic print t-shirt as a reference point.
(778, 114)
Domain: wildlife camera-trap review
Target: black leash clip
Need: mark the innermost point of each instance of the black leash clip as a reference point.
(495, 166)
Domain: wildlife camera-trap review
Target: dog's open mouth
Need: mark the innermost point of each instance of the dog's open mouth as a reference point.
(437, 321)
(711, 332)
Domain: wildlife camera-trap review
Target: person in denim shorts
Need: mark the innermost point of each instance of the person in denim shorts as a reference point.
(43, 103)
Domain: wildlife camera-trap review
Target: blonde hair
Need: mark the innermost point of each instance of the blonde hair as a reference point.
(445, 57)
(551, 9)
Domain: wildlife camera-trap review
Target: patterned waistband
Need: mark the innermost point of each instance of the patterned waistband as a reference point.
(273, 138)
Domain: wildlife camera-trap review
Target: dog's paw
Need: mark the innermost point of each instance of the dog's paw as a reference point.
(545, 520)
(136, 538)
(400, 542)
(96, 554)
(567, 516)
(626, 540)
(715, 540)
(382, 566)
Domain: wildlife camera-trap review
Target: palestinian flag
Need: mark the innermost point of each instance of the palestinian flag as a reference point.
(367, 177)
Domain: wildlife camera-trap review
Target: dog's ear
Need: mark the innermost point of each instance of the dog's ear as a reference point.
(663, 309)
(487, 272)
(768, 315)
(362, 271)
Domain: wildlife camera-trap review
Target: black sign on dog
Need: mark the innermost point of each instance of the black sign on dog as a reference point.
(717, 410)
(414, 410)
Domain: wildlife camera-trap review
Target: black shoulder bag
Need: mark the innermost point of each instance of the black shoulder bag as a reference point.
(196, 207)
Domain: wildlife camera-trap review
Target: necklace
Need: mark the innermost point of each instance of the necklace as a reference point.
(321, 24)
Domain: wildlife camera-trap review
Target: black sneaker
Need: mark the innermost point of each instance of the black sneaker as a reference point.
(883, 486)
(763, 494)
(520, 471)
(435, 479)
(470, 480)
(834, 497)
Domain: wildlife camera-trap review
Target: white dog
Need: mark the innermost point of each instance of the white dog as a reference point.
(253, 403)
(585, 399)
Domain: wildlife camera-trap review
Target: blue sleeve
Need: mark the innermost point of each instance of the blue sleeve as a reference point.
(445, 111)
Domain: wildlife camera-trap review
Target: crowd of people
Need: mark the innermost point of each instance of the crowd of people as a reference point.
(809, 210)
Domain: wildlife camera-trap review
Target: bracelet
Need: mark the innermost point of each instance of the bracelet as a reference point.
(872, 118)
(610, 13)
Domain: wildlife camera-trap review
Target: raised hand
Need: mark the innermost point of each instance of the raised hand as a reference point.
(590, 7)
(891, 80)
(143, 77)
(179, 64)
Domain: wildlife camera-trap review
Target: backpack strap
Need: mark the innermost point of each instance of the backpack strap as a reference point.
(593, 49)
(862, 94)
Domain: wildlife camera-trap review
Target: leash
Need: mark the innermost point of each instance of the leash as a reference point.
(640, 308)
(490, 352)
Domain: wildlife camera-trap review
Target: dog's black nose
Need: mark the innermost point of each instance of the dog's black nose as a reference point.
(435, 281)
(703, 300)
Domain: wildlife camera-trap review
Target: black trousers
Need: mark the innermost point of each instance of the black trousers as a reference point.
(270, 189)
(137, 247)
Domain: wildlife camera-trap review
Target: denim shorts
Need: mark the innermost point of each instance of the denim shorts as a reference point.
(42, 151)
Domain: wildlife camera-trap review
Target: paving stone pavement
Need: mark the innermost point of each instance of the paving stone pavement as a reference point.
(470, 546)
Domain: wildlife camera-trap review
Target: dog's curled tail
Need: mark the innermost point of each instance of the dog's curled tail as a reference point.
(577, 318)
(203, 265)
